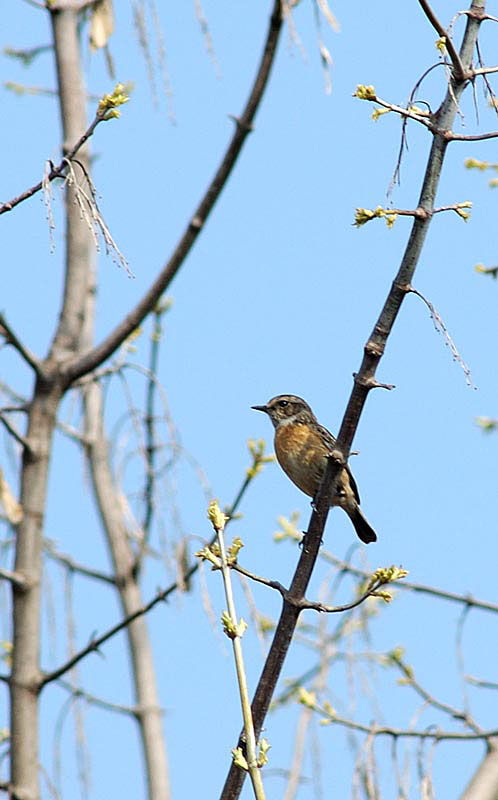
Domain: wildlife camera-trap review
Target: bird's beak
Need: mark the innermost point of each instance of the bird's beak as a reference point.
(260, 408)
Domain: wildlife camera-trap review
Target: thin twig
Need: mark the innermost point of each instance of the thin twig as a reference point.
(55, 172)
(460, 72)
(302, 602)
(460, 137)
(98, 701)
(96, 642)
(75, 566)
(404, 122)
(438, 735)
(150, 434)
(456, 713)
(487, 85)
(441, 328)
(415, 587)
(14, 432)
(11, 338)
(481, 683)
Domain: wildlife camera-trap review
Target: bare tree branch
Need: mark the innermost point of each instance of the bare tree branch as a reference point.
(452, 711)
(243, 125)
(416, 587)
(75, 566)
(55, 172)
(373, 352)
(484, 70)
(14, 432)
(438, 735)
(459, 69)
(92, 699)
(301, 602)
(11, 338)
(96, 642)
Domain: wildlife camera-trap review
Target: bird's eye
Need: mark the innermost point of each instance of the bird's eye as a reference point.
(283, 403)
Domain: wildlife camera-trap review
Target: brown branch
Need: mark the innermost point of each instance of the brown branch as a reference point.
(373, 352)
(20, 439)
(243, 125)
(403, 112)
(11, 338)
(375, 346)
(460, 72)
(55, 172)
(301, 602)
(96, 643)
(478, 137)
(487, 84)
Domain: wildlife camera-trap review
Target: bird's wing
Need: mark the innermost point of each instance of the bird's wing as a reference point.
(330, 442)
(327, 438)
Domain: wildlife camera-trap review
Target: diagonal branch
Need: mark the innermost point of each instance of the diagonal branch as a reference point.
(96, 642)
(460, 71)
(74, 566)
(437, 735)
(55, 172)
(374, 349)
(14, 432)
(243, 126)
(302, 603)
(421, 588)
(363, 383)
(11, 338)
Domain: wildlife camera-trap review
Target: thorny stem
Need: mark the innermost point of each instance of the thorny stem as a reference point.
(363, 382)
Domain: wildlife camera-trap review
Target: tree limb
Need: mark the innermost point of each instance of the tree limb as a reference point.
(460, 72)
(11, 338)
(415, 587)
(55, 172)
(373, 352)
(243, 125)
(14, 432)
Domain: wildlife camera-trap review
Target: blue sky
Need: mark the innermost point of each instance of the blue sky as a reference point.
(278, 295)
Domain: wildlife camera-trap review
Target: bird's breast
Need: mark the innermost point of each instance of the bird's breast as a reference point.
(302, 455)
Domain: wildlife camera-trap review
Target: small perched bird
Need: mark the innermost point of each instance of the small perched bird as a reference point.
(302, 446)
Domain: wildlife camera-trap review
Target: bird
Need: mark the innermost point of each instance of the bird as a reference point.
(302, 447)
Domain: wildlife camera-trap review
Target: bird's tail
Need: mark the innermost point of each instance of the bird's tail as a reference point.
(363, 528)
